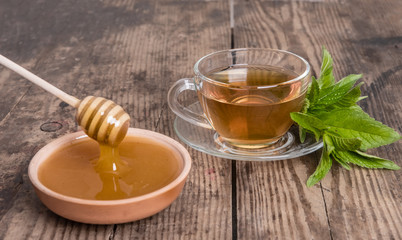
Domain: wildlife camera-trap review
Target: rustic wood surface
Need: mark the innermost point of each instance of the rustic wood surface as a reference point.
(133, 51)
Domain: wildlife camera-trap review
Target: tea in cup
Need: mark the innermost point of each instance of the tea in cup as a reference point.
(246, 95)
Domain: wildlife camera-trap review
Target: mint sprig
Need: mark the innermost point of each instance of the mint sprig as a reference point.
(331, 113)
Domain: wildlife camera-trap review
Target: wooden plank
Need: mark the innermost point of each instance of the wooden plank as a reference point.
(356, 204)
(130, 52)
(273, 200)
(365, 203)
(203, 206)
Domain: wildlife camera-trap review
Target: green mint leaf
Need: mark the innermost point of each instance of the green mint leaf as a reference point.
(302, 134)
(355, 123)
(309, 123)
(342, 162)
(326, 78)
(322, 169)
(365, 160)
(328, 142)
(361, 98)
(306, 106)
(336, 92)
(387, 164)
(343, 144)
(330, 112)
(349, 99)
(313, 92)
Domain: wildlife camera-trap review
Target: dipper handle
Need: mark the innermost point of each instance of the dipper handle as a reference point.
(71, 100)
(102, 119)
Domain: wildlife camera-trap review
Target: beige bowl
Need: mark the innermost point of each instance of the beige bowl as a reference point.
(110, 211)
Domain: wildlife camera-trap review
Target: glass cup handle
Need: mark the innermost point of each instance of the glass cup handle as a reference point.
(182, 111)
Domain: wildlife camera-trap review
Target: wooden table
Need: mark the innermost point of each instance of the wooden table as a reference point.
(133, 51)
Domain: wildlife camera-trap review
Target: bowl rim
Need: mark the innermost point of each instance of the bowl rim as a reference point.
(44, 152)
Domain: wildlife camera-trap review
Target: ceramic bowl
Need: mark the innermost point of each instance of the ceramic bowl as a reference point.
(110, 211)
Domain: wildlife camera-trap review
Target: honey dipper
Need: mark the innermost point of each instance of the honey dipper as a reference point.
(100, 118)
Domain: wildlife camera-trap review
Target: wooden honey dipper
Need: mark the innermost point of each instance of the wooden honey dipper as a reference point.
(100, 118)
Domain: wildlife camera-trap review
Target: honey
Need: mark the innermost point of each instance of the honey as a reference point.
(84, 170)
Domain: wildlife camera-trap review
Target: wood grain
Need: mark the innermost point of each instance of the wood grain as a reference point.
(130, 52)
(356, 204)
(368, 199)
(272, 196)
(133, 51)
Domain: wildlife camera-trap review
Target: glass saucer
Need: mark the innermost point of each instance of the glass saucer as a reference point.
(204, 140)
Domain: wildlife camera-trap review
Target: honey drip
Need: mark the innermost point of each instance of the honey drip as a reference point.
(111, 169)
(100, 118)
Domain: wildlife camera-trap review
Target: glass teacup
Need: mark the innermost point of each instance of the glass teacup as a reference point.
(246, 95)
